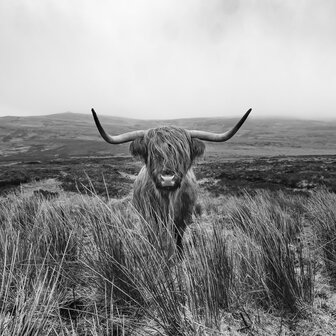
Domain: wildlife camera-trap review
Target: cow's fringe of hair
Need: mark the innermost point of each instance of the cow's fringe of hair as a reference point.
(171, 145)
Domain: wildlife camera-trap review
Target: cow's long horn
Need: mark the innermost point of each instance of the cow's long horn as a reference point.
(219, 137)
(116, 139)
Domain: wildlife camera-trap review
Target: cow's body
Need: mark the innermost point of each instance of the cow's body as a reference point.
(177, 205)
(166, 188)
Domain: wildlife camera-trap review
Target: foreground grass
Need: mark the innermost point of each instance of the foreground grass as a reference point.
(78, 265)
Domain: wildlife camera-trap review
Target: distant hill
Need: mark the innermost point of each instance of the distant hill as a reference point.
(71, 134)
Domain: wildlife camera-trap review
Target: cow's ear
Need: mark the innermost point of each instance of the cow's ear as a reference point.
(138, 148)
(197, 148)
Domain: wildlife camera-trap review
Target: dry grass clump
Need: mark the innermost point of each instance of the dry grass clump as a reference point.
(322, 212)
(81, 265)
(271, 261)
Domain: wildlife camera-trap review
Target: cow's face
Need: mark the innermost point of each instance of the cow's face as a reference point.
(168, 153)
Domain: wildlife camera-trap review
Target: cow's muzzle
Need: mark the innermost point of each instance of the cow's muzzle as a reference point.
(169, 182)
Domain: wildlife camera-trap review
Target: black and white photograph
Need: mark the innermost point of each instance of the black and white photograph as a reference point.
(167, 168)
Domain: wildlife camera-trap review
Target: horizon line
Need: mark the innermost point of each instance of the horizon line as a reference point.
(252, 116)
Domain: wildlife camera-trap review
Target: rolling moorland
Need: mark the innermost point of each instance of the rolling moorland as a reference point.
(272, 154)
(76, 258)
(70, 134)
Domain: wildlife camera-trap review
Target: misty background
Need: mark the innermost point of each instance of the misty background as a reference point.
(169, 59)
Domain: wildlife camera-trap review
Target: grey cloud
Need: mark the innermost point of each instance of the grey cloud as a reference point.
(168, 58)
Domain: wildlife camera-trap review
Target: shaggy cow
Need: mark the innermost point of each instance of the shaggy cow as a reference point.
(166, 186)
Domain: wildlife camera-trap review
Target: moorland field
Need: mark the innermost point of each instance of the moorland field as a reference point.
(77, 259)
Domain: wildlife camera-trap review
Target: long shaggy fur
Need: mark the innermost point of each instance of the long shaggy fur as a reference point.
(167, 150)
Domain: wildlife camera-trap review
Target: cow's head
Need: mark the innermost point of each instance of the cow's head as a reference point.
(168, 152)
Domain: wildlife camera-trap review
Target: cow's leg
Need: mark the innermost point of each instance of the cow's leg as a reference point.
(180, 227)
(183, 217)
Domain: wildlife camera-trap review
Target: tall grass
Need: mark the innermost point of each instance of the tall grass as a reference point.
(81, 264)
(322, 211)
(37, 256)
(270, 262)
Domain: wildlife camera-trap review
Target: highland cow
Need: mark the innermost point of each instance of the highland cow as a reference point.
(166, 188)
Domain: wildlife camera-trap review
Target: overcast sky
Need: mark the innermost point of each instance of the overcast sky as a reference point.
(168, 58)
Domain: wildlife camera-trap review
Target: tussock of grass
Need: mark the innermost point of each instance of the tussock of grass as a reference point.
(78, 264)
(269, 230)
(322, 211)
